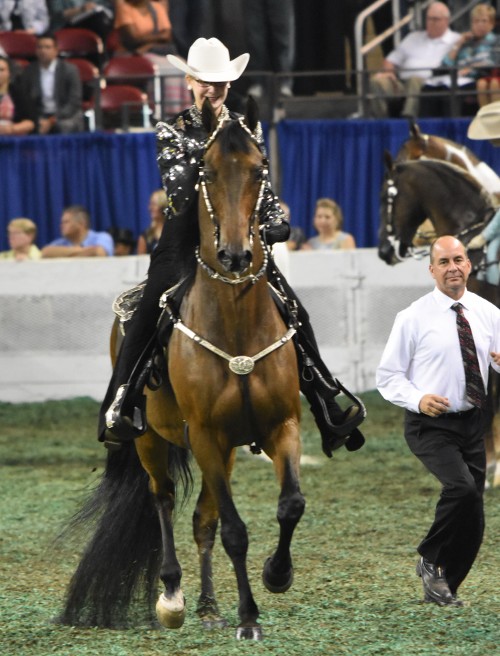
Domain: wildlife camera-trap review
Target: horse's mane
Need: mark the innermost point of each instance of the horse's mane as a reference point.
(451, 175)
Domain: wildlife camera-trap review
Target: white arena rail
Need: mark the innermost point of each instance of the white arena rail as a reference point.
(56, 316)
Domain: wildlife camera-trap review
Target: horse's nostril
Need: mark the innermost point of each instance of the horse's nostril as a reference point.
(234, 262)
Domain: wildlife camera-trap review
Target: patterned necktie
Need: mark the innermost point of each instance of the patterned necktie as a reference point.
(474, 387)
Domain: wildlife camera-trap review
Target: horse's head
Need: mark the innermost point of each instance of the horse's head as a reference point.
(233, 175)
(395, 236)
(452, 199)
(420, 145)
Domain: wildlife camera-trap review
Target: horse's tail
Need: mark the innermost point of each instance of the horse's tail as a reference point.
(121, 562)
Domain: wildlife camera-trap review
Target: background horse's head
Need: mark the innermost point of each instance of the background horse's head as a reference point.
(430, 146)
(416, 190)
(232, 178)
(396, 204)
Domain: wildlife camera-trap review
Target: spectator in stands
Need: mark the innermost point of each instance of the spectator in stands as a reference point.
(21, 234)
(328, 220)
(52, 90)
(77, 239)
(149, 239)
(470, 56)
(28, 15)
(410, 64)
(124, 241)
(144, 27)
(270, 36)
(96, 15)
(14, 116)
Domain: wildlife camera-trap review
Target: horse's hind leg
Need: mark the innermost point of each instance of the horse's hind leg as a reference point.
(205, 520)
(277, 575)
(153, 453)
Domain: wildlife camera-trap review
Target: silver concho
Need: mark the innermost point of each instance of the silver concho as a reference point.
(241, 365)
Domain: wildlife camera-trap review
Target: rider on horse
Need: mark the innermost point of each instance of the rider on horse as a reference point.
(181, 142)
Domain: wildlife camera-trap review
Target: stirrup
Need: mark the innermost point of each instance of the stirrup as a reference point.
(338, 427)
(350, 419)
(121, 427)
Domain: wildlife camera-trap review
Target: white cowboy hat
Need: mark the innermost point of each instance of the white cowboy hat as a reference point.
(486, 123)
(208, 60)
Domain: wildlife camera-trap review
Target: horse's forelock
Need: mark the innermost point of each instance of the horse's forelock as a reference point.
(232, 139)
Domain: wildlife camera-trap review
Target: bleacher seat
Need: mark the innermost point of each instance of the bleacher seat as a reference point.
(80, 43)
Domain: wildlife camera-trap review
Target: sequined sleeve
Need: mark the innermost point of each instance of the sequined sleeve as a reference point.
(178, 156)
(271, 212)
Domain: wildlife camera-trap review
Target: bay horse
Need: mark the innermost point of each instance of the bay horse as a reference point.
(456, 204)
(232, 381)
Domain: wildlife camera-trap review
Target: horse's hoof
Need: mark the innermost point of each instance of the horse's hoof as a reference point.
(249, 633)
(275, 583)
(171, 611)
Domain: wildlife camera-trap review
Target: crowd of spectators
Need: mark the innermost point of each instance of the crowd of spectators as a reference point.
(44, 96)
(283, 38)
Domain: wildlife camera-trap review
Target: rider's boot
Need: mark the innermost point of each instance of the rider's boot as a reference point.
(125, 418)
(338, 427)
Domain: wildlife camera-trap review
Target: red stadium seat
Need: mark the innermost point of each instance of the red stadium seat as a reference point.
(138, 71)
(19, 44)
(121, 105)
(80, 43)
(89, 76)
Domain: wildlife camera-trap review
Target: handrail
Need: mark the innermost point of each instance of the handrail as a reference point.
(362, 50)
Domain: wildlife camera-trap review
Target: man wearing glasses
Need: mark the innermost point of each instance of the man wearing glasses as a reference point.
(410, 64)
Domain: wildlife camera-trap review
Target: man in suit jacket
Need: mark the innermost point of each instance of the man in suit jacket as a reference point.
(53, 90)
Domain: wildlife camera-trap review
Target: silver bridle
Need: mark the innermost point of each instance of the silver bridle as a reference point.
(202, 183)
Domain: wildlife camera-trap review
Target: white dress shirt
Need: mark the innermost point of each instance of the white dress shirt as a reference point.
(422, 354)
(48, 84)
(418, 51)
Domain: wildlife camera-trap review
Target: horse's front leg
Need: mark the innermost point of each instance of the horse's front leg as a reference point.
(278, 568)
(205, 521)
(153, 453)
(216, 467)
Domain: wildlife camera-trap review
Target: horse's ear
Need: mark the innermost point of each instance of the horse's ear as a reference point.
(252, 113)
(208, 117)
(414, 129)
(388, 161)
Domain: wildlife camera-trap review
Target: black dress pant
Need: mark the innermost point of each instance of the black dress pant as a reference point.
(451, 447)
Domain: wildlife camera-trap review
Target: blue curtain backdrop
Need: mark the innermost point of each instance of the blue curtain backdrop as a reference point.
(343, 160)
(113, 175)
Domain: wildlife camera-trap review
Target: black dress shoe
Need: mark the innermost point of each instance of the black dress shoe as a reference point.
(436, 588)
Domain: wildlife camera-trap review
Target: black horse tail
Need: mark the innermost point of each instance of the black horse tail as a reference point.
(119, 568)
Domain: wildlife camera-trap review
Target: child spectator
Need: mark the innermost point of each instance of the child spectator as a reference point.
(21, 233)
